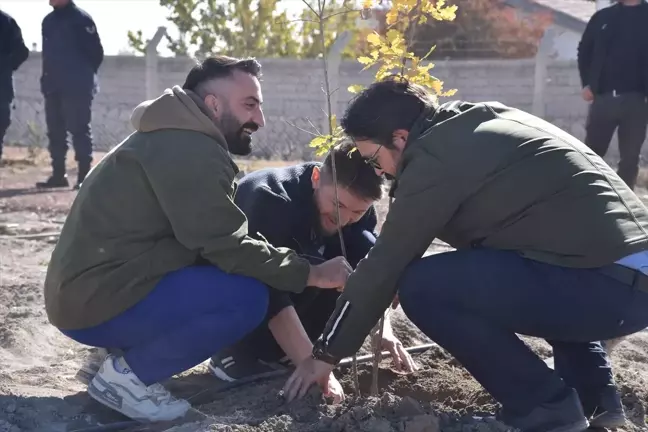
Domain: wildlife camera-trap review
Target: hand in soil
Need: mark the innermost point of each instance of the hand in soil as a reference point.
(401, 359)
(335, 389)
(308, 372)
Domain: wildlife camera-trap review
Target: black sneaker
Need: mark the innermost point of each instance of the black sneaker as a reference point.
(609, 414)
(562, 415)
(54, 182)
(231, 366)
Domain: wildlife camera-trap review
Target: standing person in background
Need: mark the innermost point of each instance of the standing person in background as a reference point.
(72, 54)
(613, 65)
(13, 53)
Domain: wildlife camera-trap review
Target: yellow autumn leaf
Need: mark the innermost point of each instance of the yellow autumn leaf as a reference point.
(392, 16)
(333, 122)
(365, 60)
(373, 38)
(356, 88)
(392, 35)
(318, 141)
(367, 4)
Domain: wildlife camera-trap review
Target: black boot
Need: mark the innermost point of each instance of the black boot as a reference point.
(58, 179)
(564, 414)
(609, 413)
(84, 169)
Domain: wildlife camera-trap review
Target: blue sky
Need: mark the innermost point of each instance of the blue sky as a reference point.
(113, 19)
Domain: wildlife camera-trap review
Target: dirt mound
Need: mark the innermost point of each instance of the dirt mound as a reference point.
(390, 412)
(38, 391)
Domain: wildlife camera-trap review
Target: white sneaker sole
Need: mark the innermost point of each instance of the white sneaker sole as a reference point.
(103, 393)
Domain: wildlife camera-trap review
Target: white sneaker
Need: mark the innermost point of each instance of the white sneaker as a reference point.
(91, 365)
(124, 392)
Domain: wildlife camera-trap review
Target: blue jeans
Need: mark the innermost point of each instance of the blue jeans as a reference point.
(473, 302)
(191, 314)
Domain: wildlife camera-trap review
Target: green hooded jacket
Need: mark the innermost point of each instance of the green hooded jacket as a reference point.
(487, 175)
(158, 202)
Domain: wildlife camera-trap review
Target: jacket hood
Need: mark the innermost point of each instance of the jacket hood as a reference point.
(176, 109)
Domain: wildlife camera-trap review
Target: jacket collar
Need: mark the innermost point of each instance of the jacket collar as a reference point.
(429, 118)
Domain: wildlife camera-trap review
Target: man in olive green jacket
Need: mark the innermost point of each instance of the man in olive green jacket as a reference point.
(550, 243)
(155, 259)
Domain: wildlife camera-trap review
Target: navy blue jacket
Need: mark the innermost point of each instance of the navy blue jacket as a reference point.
(72, 52)
(13, 53)
(280, 208)
(599, 39)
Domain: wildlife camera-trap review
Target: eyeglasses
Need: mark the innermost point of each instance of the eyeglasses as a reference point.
(373, 159)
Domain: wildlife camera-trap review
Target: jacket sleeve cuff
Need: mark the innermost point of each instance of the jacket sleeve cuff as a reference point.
(278, 301)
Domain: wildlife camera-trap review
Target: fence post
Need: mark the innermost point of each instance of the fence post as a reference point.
(152, 63)
(543, 56)
(600, 4)
(334, 58)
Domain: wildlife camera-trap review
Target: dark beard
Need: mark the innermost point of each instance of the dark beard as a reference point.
(238, 142)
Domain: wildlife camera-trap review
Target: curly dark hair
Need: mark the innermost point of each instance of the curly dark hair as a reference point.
(384, 107)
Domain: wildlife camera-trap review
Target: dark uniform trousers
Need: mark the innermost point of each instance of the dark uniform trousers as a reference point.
(5, 119)
(627, 113)
(69, 112)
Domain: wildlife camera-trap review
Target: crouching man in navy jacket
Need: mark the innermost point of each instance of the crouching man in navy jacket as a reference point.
(295, 207)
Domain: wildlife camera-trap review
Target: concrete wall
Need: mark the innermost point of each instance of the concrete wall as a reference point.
(293, 95)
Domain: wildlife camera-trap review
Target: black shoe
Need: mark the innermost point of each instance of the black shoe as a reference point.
(231, 366)
(54, 182)
(84, 169)
(609, 414)
(562, 415)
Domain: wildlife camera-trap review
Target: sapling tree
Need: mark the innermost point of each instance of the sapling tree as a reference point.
(389, 54)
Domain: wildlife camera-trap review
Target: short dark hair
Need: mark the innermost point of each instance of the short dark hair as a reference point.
(353, 172)
(219, 67)
(384, 107)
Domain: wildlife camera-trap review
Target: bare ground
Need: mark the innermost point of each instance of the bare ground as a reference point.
(37, 364)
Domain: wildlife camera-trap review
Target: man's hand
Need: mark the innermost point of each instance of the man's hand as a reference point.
(332, 388)
(308, 372)
(402, 360)
(330, 274)
(588, 96)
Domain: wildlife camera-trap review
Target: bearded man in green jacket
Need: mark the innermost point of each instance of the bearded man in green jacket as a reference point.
(550, 243)
(155, 260)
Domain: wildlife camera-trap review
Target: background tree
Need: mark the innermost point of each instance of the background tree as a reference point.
(239, 28)
(481, 29)
(258, 28)
(339, 16)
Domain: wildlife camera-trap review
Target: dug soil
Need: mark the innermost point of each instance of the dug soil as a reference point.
(38, 391)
